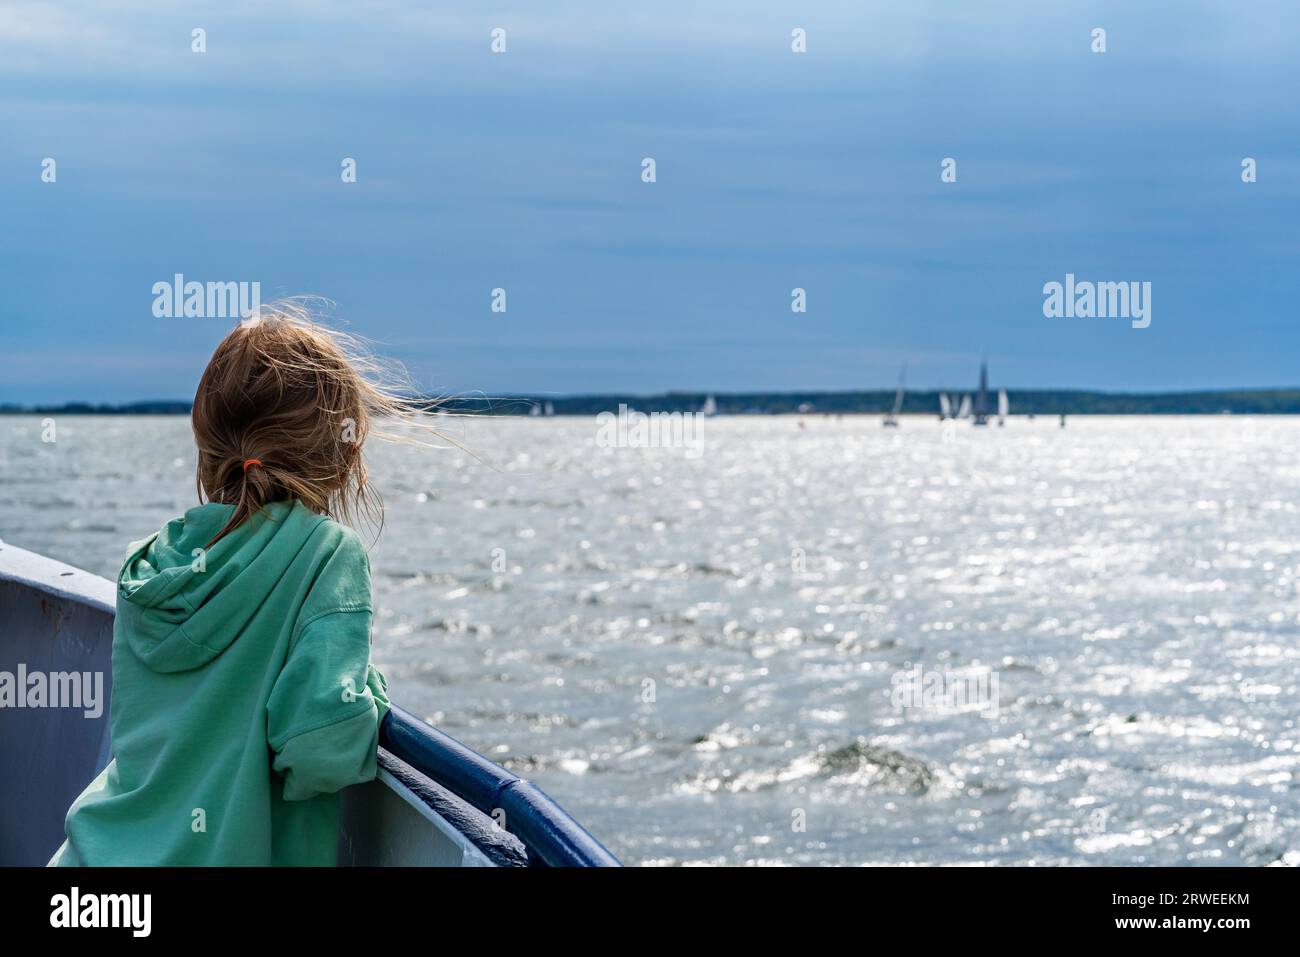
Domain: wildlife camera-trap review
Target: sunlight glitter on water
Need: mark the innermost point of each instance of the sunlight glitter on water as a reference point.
(697, 656)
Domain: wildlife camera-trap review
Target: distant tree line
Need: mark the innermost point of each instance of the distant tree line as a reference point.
(1023, 402)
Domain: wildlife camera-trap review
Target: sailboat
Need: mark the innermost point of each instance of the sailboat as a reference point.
(981, 410)
(1004, 407)
(891, 420)
(963, 410)
(945, 407)
(710, 407)
(534, 409)
(549, 409)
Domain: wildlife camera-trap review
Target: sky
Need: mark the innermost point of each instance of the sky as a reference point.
(775, 170)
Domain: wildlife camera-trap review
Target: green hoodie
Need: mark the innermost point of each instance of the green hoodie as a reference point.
(243, 695)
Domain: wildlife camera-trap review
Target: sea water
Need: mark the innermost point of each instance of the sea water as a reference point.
(813, 640)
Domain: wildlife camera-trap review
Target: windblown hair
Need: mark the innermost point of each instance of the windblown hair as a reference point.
(301, 399)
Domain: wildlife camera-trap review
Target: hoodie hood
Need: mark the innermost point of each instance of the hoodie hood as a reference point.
(181, 604)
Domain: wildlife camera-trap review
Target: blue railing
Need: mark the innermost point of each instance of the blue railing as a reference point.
(539, 823)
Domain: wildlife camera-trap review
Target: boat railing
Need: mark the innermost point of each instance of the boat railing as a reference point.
(516, 805)
(57, 618)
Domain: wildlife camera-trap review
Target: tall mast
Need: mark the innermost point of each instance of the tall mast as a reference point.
(982, 397)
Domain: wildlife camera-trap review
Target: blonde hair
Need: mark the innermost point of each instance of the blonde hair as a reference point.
(282, 411)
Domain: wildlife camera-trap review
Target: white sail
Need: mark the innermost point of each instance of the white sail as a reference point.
(945, 406)
(1004, 406)
(710, 407)
(963, 410)
(891, 419)
(550, 409)
(535, 409)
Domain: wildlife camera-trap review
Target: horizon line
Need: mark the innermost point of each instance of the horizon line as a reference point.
(481, 395)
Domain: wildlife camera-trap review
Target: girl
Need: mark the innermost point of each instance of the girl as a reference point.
(243, 694)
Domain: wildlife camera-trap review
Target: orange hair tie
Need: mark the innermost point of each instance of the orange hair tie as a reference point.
(248, 462)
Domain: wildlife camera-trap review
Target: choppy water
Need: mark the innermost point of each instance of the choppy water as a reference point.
(1129, 586)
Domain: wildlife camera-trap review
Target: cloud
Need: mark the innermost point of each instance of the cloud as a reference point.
(775, 170)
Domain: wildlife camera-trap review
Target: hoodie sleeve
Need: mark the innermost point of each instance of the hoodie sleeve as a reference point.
(325, 708)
